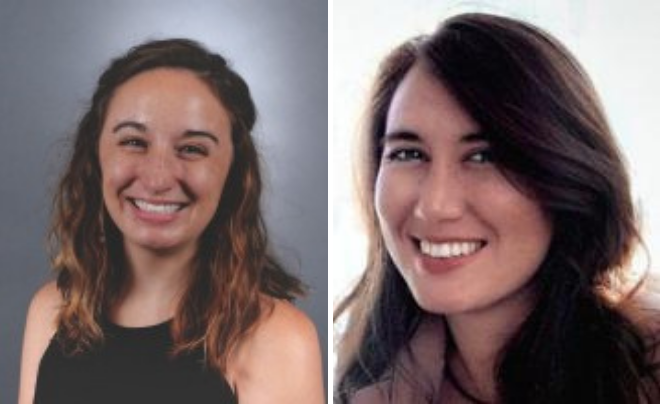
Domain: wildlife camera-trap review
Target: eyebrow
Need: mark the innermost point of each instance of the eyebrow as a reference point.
(401, 135)
(142, 128)
(201, 133)
(409, 136)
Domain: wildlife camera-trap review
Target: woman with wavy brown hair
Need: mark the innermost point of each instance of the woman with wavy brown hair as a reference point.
(501, 230)
(166, 289)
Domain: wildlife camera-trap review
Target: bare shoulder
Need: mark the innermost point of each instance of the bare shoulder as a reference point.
(280, 362)
(42, 314)
(287, 326)
(40, 326)
(46, 303)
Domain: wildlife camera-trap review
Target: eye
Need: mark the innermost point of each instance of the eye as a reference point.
(482, 156)
(193, 150)
(405, 155)
(133, 143)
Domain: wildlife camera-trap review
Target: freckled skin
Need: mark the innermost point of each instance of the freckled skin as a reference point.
(160, 161)
(450, 193)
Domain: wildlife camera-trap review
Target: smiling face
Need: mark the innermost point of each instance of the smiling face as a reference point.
(463, 237)
(165, 151)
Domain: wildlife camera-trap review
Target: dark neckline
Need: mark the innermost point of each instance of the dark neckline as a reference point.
(148, 329)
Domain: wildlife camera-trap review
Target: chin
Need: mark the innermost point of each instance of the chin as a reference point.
(156, 244)
(446, 305)
(157, 247)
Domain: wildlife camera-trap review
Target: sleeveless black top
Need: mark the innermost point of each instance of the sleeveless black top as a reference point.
(132, 366)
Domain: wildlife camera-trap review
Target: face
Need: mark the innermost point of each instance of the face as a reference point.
(463, 237)
(165, 151)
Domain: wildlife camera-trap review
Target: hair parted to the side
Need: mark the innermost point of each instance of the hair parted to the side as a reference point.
(234, 267)
(550, 137)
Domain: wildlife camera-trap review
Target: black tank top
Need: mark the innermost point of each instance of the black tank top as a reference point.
(132, 366)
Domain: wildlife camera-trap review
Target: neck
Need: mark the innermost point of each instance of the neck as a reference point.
(479, 337)
(154, 284)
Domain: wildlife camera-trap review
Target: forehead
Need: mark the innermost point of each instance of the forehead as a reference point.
(167, 93)
(423, 105)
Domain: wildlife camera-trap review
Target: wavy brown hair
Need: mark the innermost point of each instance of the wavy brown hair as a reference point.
(550, 138)
(233, 267)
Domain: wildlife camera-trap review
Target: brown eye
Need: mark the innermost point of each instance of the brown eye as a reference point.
(133, 143)
(193, 150)
(406, 155)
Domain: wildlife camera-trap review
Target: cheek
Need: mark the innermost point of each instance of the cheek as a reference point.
(381, 198)
(392, 199)
(522, 222)
(209, 181)
(535, 233)
(116, 173)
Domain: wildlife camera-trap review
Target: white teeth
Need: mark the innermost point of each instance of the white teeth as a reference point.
(160, 208)
(449, 250)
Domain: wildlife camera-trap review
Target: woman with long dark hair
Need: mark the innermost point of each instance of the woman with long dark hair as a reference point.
(166, 290)
(500, 230)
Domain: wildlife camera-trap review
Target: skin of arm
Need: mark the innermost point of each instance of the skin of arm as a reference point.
(40, 327)
(280, 361)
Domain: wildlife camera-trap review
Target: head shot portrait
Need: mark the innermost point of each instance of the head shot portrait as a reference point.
(500, 230)
(182, 261)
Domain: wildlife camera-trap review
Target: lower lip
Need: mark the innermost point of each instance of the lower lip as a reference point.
(438, 266)
(153, 217)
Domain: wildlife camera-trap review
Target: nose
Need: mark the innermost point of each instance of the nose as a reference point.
(159, 171)
(442, 195)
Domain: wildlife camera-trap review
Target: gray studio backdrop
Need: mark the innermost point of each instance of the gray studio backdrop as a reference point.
(51, 53)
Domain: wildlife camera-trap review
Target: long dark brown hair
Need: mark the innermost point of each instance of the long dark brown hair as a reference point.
(233, 267)
(550, 137)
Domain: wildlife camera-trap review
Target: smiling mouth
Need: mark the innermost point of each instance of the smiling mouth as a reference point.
(157, 208)
(449, 249)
